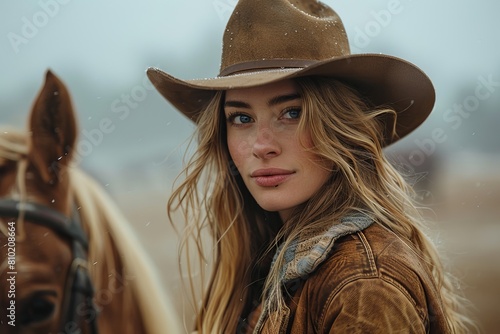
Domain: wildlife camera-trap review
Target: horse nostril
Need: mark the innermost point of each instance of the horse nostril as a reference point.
(37, 308)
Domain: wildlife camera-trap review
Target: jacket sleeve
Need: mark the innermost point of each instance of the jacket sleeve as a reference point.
(371, 305)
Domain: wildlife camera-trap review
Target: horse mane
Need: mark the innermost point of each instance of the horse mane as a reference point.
(14, 147)
(13, 144)
(106, 226)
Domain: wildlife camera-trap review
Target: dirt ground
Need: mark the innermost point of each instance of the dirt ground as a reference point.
(465, 203)
(468, 210)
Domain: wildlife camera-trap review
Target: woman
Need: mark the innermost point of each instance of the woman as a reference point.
(315, 232)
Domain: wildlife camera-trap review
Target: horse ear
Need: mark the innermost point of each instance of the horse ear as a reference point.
(53, 129)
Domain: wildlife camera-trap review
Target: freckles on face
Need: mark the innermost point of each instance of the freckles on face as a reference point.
(267, 148)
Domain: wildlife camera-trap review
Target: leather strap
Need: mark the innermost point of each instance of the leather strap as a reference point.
(256, 65)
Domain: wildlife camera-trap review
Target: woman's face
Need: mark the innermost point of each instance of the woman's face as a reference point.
(268, 150)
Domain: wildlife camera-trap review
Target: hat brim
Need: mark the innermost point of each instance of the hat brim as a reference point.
(384, 80)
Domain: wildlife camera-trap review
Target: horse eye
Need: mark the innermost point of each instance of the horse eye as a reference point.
(37, 308)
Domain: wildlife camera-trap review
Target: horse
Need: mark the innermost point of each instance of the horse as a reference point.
(69, 260)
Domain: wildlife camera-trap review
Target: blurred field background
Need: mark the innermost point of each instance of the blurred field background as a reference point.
(101, 50)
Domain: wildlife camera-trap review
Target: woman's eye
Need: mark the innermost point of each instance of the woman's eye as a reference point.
(239, 119)
(292, 113)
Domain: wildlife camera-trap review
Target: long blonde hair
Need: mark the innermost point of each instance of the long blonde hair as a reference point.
(345, 130)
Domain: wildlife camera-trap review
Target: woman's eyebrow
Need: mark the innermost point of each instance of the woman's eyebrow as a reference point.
(283, 98)
(236, 104)
(272, 102)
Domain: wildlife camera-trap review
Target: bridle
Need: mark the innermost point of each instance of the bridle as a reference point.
(79, 291)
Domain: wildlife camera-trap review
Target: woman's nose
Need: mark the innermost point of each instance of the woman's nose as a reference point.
(266, 144)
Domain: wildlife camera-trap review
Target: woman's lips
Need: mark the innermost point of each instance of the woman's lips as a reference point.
(270, 177)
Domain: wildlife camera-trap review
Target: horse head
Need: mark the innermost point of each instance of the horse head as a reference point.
(68, 262)
(36, 198)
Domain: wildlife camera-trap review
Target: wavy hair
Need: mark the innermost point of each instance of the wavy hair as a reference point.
(345, 130)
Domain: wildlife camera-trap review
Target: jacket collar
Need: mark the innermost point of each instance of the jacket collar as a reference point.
(303, 255)
(311, 248)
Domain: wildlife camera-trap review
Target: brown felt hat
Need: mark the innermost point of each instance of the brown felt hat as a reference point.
(271, 40)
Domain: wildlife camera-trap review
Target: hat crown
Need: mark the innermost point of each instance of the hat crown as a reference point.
(281, 33)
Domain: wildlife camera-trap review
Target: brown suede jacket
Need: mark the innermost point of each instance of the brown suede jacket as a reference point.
(368, 281)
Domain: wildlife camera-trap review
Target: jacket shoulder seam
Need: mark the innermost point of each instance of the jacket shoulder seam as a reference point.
(369, 252)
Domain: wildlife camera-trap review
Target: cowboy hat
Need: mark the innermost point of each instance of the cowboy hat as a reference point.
(270, 40)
